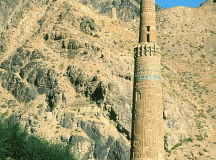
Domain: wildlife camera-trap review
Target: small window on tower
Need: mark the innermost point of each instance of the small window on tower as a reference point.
(148, 37)
(148, 28)
(138, 96)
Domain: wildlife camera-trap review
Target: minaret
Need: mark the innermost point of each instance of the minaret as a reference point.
(147, 124)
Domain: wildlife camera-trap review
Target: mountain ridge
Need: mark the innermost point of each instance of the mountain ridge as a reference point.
(63, 63)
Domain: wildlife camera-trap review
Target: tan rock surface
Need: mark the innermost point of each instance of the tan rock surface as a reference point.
(91, 100)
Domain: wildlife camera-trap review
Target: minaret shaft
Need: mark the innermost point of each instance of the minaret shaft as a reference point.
(147, 31)
(147, 124)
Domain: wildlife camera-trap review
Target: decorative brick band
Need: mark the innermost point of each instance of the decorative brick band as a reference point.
(147, 49)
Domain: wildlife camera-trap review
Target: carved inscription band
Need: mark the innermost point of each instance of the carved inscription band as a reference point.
(147, 115)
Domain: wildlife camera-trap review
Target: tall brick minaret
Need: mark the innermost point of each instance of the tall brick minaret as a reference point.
(147, 128)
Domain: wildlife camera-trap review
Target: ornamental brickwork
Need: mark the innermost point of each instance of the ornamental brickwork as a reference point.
(147, 141)
(147, 131)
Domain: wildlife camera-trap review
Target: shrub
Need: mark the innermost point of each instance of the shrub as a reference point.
(166, 67)
(17, 144)
(92, 102)
(201, 114)
(40, 106)
(77, 96)
(61, 66)
(213, 116)
(177, 145)
(199, 137)
(181, 143)
(210, 109)
(206, 135)
(3, 106)
(205, 150)
(203, 56)
(198, 124)
(187, 140)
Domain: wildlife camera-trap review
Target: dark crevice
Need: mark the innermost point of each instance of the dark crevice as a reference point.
(112, 115)
(98, 93)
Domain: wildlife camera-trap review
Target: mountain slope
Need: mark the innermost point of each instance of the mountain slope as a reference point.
(67, 72)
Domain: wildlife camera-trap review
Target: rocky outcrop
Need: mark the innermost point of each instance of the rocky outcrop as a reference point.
(101, 144)
(82, 146)
(2, 47)
(115, 106)
(6, 8)
(25, 77)
(18, 89)
(88, 26)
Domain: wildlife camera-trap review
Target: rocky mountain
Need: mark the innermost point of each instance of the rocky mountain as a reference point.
(66, 73)
(9, 7)
(123, 8)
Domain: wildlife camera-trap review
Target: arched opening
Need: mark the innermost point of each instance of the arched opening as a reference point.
(138, 96)
(148, 28)
(148, 37)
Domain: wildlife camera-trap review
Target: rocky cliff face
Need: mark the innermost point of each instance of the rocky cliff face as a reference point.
(126, 9)
(6, 9)
(66, 71)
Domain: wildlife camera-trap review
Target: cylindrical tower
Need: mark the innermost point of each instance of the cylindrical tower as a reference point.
(147, 130)
(147, 21)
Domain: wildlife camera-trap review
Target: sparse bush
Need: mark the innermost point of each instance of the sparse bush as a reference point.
(198, 124)
(213, 32)
(61, 66)
(92, 102)
(206, 135)
(77, 96)
(36, 117)
(196, 145)
(201, 114)
(203, 56)
(187, 140)
(199, 137)
(177, 145)
(166, 67)
(182, 142)
(213, 116)
(185, 86)
(40, 106)
(4, 106)
(210, 109)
